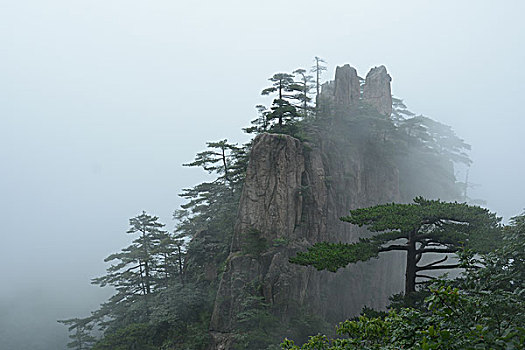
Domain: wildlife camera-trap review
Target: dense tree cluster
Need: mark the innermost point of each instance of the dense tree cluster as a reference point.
(292, 100)
(482, 309)
(163, 290)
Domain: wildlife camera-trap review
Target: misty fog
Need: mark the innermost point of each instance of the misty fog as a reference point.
(101, 103)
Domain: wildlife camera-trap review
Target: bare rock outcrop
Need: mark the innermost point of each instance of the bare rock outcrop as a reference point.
(272, 186)
(346, 89)
(344, 92)
(377, 92)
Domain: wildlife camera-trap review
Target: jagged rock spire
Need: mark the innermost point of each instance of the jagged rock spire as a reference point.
(376, 91)
(346, 90)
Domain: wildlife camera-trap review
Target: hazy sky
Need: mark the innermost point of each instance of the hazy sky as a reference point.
(102, 101)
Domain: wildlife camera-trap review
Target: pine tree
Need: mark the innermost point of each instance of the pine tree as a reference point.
(303, 85)
(136, 274)
(207, 219)
(261, 123)
(81, 338)
(426, 226)
(169, 252)
(318, 69)
(282, 109)
(219, 159)
(133, 274)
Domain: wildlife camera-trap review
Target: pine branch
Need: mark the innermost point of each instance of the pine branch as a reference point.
(437, 250)
(439, 267)
(393, 247)
(435, 262)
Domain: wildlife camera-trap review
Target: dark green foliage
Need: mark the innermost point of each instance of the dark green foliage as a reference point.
(426, 153)
(427, 134)
(183, 312)
(256, 324)
(332, 256)
(426, 226)
(81, 337)
(280, 242)
(141, 269)
(258, 327)
(261, 123)
(282, 109)
(303, 322)
(253, 243)
(292, 101)
(137, 336)
(222, 158)
(400, 111)
(433, 220)
(209, 215)
(147, 276)
(483, 309)
(138, 265)
(437, 138)
(178, 305)
(416, 300)
(302, 87)
(211, 201)
(281, 85)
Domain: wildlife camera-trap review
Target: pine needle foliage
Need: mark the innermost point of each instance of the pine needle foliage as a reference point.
(423, 227)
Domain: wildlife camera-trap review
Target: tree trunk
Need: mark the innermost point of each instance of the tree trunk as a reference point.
(142, 283)
(410, 275)
(305, 105)
(146, 275)
(317, 80)
(225, 164)
(180, 266)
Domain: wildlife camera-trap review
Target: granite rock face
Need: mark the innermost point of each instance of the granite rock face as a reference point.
(346, 89)
(377, 92)
(344, 92)
(293, 196)
(272, 185)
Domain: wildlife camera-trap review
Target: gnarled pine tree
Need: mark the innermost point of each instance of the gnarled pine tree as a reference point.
(425, 226)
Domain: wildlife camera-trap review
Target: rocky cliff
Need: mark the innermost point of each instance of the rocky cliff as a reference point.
(293, 196)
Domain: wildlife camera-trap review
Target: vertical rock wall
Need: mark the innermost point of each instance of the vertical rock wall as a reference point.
(295, 193)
